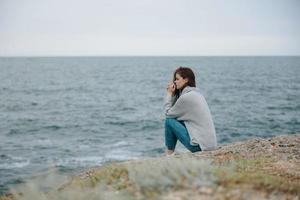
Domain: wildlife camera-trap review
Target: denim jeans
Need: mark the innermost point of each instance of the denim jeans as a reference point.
(176, 130)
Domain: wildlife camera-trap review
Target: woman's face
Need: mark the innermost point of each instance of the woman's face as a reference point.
(179, 81)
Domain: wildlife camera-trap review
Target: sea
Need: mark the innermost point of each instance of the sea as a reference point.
(73, 114)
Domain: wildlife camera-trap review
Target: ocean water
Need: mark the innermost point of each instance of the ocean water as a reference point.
(76, 113)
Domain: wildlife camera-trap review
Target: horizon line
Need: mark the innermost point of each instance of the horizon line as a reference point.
(49, 56)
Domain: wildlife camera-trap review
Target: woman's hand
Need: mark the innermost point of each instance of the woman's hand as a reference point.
(171, 89)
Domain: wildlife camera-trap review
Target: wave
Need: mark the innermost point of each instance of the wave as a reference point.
(12, 162)
(121, 155)
(120, 144)
(29, 129)
(80, 161)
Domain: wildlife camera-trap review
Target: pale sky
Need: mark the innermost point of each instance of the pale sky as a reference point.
(149, 27)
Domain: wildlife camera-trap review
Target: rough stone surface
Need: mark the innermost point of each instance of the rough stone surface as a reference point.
(254, 169)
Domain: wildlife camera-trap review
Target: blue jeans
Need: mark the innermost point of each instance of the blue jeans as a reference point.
(176, 130)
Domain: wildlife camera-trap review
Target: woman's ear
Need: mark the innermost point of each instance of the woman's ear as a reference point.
(186, 80)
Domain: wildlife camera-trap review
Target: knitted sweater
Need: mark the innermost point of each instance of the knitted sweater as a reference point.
(191, 107)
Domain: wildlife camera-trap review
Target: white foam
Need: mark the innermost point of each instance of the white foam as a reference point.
(121, 155)
(120, 143)
(43, 143)
(17, 164)
(80, 161)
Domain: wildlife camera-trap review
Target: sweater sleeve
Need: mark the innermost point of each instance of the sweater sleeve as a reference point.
(175, 111)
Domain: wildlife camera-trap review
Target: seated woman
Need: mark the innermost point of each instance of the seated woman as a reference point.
(188, 118)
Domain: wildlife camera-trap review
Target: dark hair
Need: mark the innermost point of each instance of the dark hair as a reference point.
(185, 72)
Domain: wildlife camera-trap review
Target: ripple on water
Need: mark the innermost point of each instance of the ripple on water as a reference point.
(14, 132)
(121, 155)
(78, 161)
(12, 162)
(53, 127)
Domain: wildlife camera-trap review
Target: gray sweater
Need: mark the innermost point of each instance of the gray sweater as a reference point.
(191, 107)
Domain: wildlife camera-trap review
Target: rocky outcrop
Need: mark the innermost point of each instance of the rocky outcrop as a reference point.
(254, 169)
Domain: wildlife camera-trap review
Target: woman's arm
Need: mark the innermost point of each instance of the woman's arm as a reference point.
(173, 110)
(177, 110)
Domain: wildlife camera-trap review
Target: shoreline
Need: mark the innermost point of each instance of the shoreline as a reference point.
(253, 169)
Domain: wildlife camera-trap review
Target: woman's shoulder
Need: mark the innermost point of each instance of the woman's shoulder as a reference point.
(190, 96)
(190, 91)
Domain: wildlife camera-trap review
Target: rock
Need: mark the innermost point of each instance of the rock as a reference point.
(254, 169)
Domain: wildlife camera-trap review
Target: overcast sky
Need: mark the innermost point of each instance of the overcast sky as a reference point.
(149, 27)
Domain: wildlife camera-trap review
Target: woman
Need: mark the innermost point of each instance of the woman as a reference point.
(188, 118)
